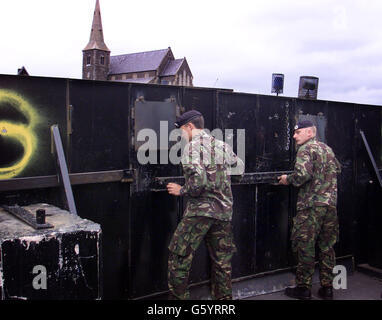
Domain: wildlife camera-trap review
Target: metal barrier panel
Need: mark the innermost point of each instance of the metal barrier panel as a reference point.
(29, 106)
(368, 241)
(99, 126)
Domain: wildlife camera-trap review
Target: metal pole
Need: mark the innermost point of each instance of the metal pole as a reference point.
(371, 157)
(64, 180)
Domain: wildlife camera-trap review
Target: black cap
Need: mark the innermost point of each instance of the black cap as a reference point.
(187, 117)
(303, 124)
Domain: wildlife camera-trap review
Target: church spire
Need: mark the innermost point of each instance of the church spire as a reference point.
(96, 55)
(96, 36)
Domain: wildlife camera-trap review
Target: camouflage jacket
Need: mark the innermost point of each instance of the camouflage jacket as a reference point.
(315, 172)
(207, 167)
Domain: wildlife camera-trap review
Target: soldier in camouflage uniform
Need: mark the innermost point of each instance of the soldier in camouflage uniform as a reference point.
(315, 173)
(206, 164)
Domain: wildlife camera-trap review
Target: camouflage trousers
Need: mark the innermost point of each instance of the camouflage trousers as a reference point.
(186, 239)
(311, 227)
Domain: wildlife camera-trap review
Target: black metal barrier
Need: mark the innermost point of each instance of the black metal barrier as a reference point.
(99, 123)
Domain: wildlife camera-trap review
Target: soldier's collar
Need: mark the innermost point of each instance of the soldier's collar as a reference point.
(313, 139)
(199, 134)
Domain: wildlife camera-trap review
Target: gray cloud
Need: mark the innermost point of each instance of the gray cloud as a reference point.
(240, 43)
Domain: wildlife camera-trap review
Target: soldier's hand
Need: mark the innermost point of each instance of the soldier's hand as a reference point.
(283, 180)
(173, 189)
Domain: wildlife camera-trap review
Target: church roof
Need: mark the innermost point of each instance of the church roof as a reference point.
(137, 62)
(96, 36)
(172, 67)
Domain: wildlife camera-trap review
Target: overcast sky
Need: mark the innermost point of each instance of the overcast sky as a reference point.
(232, 44)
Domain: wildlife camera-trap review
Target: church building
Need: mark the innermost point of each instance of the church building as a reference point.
(158, 66)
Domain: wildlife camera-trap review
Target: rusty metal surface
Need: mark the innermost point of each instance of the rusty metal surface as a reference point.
(27, 216)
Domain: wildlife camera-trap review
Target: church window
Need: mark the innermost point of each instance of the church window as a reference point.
(102, 59)
(88, 60)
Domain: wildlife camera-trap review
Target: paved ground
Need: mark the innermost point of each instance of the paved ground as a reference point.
(359, 287)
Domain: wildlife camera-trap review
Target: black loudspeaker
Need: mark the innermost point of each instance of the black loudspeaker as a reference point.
(277, 83)
(308, 88)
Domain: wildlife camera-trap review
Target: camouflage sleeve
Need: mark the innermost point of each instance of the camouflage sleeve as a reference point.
(303, 169)
(337, 165)
(235, 164)
(194, 173)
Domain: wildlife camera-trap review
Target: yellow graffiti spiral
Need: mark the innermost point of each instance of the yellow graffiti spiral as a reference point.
(24, 134)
